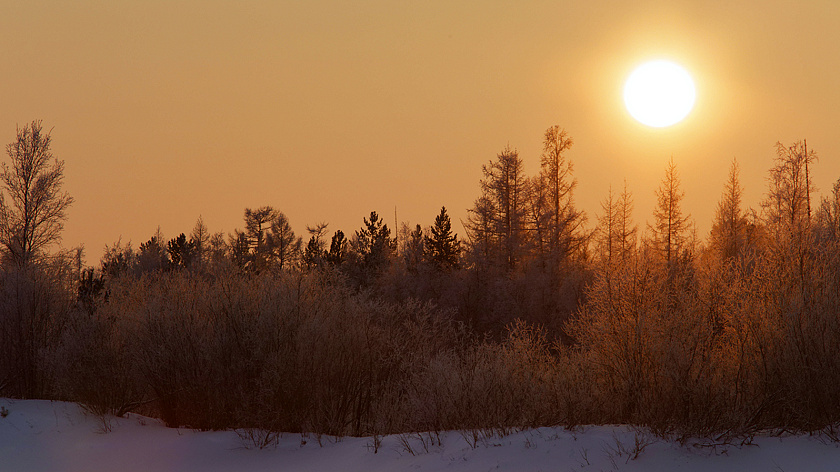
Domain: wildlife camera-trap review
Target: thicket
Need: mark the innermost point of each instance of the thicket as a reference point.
(531, 321)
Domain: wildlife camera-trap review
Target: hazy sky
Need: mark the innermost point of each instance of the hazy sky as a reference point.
(167, 110)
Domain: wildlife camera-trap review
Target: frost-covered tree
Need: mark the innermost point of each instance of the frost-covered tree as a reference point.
(32, 205)
(556, 175)
(729, 229)
(497, 223)
(670, 227)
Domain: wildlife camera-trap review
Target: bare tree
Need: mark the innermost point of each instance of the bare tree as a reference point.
(283, 245)
(33, 216)
(729, 230)
(670, 226)
(506, 186)
(556, 174)
(789, 197)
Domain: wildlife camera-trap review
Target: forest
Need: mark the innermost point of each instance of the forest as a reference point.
(538, 316)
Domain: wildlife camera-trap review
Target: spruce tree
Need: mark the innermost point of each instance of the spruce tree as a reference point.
(443, 248)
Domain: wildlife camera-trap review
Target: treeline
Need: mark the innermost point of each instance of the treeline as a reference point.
(531, 319)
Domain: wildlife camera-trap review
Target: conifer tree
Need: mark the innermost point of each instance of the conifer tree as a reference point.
(374, 245)
(182, 252)
(443, 248)
(412, 247)
(497, 224)
(338, 249)
(670, 226)
(315, 252)
(556, 175)
(729, 229)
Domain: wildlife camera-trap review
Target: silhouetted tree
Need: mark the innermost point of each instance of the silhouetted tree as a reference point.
(33, 215)
(182, 252)
(374, 245)
(443, 248)
(497, 224)
(556, 175)
(788, 200)
(729, 229)
(338, 249)
(670, 227)
(257, 224)
(239, 249)
(201, 238)
(314, 255)
(283, 245)
(153, 256)
(413, 248)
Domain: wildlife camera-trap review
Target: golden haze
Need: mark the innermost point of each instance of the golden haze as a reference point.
(164, 111)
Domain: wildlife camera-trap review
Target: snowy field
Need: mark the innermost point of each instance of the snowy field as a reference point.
(54, 436)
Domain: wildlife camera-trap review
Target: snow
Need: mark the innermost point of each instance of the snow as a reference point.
(39, 435)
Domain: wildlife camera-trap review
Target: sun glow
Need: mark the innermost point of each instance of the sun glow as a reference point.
(659, 94)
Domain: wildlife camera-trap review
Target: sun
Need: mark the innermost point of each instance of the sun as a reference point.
(659, 93)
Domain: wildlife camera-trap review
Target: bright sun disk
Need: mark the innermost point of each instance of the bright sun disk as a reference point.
(659, 93)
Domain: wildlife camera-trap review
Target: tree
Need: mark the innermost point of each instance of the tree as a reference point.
(374, 245)
(33, 216)
(556, 175)
(788, 203)
(257, 223)
(182, 252)
(200, 236)
(670, 226)
(443, 248)
(412, 247)
(497, 223)
(338, 249)
(616, 233)
(283, 245)
(729, 229)
(315, 252)
(153, 256)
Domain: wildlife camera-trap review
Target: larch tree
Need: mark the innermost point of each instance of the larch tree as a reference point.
(605, 240)
(200, 236)
(283, 246)
(626, 229)
(729, 229)
(257, 224)
(32, 206)
(670, 227)
(316, 249)
(556, 174)
(507, 187)
(788, 203)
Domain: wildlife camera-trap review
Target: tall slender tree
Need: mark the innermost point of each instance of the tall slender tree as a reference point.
(32, 205)
(374, 246)
(443, 248)
(670, 227)
(500, 214)
(556, 174)
(729, 229)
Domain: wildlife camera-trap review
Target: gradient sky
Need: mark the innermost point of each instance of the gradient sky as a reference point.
(167, 110)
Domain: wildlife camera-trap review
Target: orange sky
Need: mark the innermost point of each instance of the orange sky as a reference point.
(167, 110)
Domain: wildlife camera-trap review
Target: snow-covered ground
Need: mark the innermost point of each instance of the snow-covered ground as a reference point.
(54, 436)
